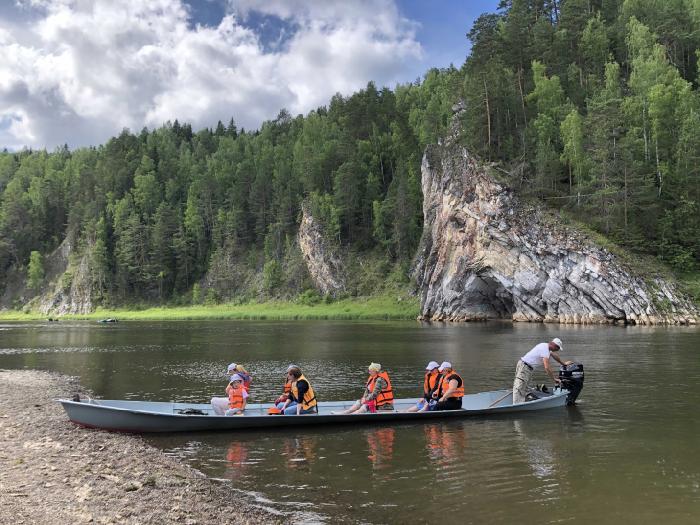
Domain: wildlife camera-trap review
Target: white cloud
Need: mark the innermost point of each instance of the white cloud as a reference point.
(78, 71)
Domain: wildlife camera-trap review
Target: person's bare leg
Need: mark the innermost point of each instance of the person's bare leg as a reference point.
(353, 408)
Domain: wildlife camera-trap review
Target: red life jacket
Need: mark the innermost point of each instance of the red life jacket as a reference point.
(386, 395)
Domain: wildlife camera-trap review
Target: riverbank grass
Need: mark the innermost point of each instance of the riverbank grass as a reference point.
(378, 307)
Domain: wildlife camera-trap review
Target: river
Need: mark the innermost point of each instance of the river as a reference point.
(627, 452)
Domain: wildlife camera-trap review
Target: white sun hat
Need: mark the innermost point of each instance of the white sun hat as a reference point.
(432, 365)
(445, 364)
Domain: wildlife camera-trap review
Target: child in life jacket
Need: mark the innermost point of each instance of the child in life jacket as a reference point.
(237, 396)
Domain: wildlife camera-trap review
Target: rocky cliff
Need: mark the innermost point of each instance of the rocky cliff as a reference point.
(484, 254)
(71, 292)
(324, 265)
(66, 288)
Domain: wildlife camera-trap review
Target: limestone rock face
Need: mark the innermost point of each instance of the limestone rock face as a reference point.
(324, 265)
(68, 287)
(486, 255)
(73, 297)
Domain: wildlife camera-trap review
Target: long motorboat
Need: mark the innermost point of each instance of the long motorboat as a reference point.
(154, 416)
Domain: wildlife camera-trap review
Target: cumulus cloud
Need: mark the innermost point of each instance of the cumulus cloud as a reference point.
(78, 71)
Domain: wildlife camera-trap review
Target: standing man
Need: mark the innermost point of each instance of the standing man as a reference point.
(538, 356)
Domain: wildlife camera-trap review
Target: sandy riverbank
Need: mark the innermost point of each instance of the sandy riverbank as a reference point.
(52, 471)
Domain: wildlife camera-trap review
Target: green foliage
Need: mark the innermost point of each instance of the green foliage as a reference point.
(196, 294)
(272, 277)
(211, 297)
(592, 106)
(35, 271)
(66, 280)
(309, 298)
(387, 306)
(598, 114)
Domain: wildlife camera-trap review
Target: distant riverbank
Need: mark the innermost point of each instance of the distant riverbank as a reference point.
(381, 307)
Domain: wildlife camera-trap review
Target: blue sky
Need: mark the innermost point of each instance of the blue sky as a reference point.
(79, 71)
(444, 25)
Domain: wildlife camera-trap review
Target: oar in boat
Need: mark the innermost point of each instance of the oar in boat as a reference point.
(509, 393)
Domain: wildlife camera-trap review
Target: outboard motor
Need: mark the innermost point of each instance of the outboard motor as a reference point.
(571, 377)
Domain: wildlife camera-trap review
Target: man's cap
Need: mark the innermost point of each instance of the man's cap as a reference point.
(232, 366)
(557, 342)
(432, 365)
(237, 377)
(374, 366)
(445, 364)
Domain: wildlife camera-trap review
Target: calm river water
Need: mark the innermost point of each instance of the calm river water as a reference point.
(628, 453)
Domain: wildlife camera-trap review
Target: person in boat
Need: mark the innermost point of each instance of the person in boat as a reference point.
(378, 393)
(237, 396)
(284, 396)
(220, 404)
(538, 356)
(451, 390)
(302, 398)
(431, 383)
(241, 371)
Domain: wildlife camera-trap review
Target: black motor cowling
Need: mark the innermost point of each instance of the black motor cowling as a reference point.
(571, 377)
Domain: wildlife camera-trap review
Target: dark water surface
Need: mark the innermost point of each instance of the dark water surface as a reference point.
(628, 453)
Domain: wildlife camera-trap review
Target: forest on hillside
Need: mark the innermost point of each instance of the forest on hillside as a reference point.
(590, 106)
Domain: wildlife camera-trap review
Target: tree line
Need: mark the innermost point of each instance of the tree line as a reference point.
(591, 106)
(594, 107)
(158, 211)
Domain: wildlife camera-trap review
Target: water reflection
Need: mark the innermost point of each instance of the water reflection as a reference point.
(537, 449)
(445, 443)
(300, 452)
(236, 460)
(380, 446)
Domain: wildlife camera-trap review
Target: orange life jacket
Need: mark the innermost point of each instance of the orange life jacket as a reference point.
(386, 395)
(445, 384)
(309, 400)
(235, 396)
(431, 384)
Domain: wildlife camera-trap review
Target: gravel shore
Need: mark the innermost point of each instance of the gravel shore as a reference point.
(52, 471)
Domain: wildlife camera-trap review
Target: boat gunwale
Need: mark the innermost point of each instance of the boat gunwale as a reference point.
(95, 403)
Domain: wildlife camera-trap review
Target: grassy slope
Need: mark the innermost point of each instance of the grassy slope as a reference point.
(379, 307)
(691, 285)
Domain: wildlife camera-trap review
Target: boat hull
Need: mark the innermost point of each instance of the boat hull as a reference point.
(150, 416)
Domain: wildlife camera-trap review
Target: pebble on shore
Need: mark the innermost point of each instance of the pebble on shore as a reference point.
(52, 471)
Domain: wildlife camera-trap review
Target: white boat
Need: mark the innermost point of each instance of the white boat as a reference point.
(157, 416)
